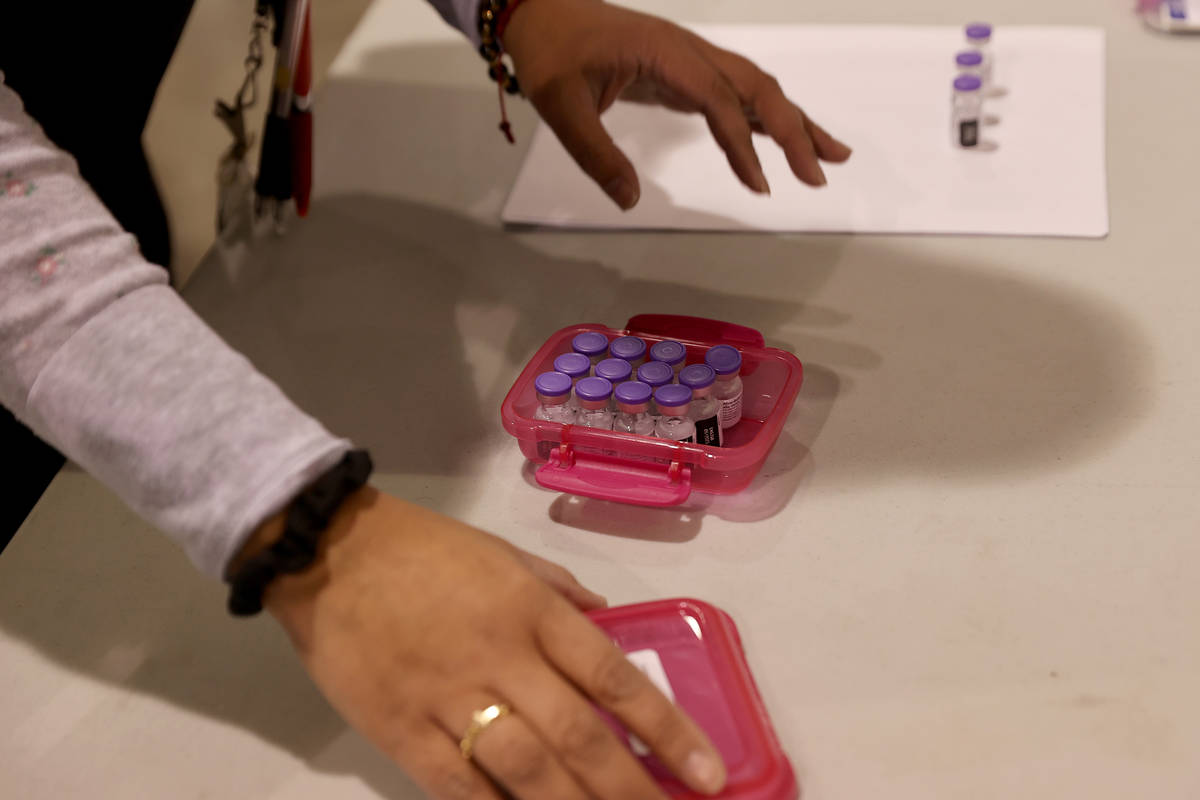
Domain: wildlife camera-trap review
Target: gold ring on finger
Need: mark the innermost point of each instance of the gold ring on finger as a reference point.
(480, 721)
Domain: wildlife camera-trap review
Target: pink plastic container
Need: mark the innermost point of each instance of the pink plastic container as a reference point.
(695, 650)
(654, 472)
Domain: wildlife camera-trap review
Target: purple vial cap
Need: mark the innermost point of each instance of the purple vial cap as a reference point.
(668, 352)
(967, 83)
(633, 393)
(697, 376)
(724, 359)
(553, 384)
(593, 389)
(614, 370)
(672, 395)
(979, 30)
(630, 348)
(590, 343)
(574, 364)
(655, 373)
(969, 58)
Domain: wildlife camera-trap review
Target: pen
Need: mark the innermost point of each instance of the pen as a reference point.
(300, 123)
(274, 181)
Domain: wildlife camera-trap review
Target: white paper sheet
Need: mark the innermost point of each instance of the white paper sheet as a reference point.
(884, 90)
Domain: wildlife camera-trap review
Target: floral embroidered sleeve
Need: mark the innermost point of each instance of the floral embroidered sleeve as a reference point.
(102, 359)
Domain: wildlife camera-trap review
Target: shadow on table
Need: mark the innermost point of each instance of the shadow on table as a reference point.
(401, 326)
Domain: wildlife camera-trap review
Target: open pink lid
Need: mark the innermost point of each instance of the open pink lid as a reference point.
(692, 651)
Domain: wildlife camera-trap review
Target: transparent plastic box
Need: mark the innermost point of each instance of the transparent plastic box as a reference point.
(655, 472)
(692, 651)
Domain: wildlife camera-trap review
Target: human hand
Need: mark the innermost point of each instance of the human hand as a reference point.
(410, 621)
(574, 58)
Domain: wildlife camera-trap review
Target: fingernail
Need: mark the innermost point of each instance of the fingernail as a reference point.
(704, 772)
(622, 192)
(821, 179)
(760, 183)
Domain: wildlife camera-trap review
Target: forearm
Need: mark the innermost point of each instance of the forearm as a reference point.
(103, 360)
(462, 14)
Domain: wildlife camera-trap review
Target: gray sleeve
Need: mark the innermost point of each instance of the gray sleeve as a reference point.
(102, 359)
(462, 14)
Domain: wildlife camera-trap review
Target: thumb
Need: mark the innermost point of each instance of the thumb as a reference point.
(570, 109)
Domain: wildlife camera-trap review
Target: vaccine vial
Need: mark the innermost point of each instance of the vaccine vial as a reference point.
(705, 411)
(967, 110)
(553, 392)
(673, 401)
(979, 37)
(633, 409)
(592, 344)
(630, 348)
(670, 353)
(574, 366)
(614, 370)
(969, 62)
(594, 395)
(726, 361)
(655, 374)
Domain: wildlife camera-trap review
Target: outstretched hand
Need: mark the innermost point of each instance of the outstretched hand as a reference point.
(575, 58)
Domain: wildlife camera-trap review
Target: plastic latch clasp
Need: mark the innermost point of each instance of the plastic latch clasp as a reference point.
(612, 477)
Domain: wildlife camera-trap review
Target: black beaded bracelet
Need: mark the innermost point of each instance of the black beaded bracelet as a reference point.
(307, 518)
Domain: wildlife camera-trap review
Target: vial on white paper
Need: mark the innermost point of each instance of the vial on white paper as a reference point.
(969, 62)
(630, 348)
(594, 396)
(669, 352)
(553, 391)
(633, 409)
(705, 411)
(967, 110)
(979, 37)
(673, 401)
(726, 361)
(592, 344)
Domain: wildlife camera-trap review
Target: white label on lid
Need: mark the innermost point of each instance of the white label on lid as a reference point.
(651, 666)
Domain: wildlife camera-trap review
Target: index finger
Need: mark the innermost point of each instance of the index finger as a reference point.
(802, 140)
(593, 663)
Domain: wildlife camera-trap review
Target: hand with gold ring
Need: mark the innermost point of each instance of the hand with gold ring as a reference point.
(439, 641)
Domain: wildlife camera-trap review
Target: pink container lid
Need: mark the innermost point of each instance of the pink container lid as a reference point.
(694, 648)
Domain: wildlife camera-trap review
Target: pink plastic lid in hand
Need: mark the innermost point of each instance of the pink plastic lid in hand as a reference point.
(692, 652)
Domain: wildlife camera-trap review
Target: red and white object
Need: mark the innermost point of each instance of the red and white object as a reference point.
(691, 650)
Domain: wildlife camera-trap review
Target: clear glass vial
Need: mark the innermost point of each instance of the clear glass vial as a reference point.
(594, 395)
(553, 393)
(630, 348)
(705, 411)
(633, 409)
(656, 374)
(674, 401)
(575, 366)
(979, 37)
(967, 111)
(592, 344)
(669, 352)
(726, 361)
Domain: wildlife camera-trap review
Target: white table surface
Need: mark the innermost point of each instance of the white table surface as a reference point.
(969, 570)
